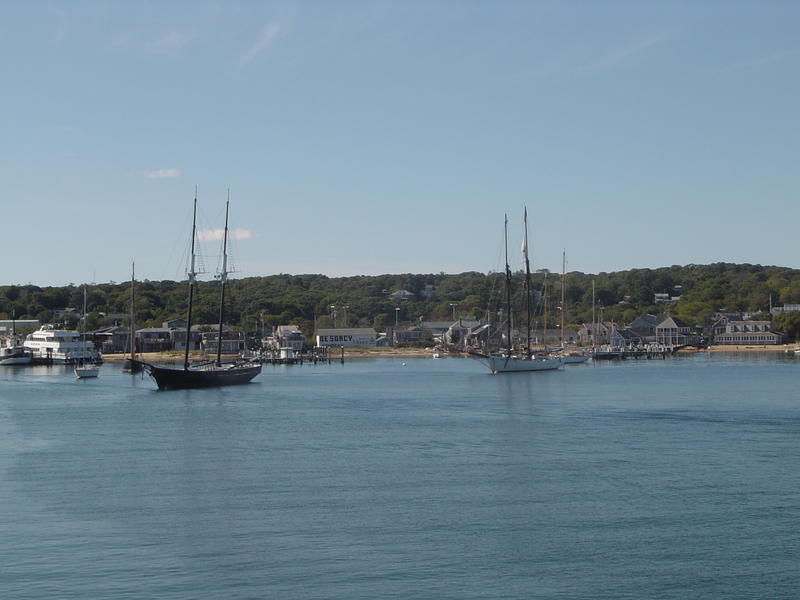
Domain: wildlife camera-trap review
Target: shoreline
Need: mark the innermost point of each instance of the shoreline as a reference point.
(175, 357)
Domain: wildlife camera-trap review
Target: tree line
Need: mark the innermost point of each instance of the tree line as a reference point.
(305, 300)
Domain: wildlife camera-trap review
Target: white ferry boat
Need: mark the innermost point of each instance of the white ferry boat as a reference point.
(60, 346)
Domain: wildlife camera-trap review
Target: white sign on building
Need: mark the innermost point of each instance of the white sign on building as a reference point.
(363, 337)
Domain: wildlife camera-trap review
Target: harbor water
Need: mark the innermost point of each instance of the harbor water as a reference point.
(406, 478)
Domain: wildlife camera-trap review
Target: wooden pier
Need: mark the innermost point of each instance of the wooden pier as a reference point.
(647, 352)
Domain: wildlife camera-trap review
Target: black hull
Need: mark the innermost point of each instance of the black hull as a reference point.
(181, 379)
(132, 366)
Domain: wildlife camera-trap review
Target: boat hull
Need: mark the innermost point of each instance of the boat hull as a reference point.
(168, 378)
(132, 366)
(87, 372)
(506, 364)
(19, 358)
(573, 359)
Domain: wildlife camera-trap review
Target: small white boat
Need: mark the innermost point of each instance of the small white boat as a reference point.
(574, 358)
(86, 371)
(13, 352)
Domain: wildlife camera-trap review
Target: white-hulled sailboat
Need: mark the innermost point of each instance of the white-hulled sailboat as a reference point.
(508, 361)
(570, 357)
(85, 370)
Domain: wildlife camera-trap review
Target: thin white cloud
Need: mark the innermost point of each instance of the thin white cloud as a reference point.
(172, 41)
(619, 57)
(755, 63)
(163, 173)
(215, 235)
(271, 32)
(628, 53)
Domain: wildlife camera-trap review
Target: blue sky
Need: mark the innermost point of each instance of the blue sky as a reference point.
(390, 137)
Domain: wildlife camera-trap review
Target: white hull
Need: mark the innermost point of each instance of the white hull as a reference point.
(574, 359)
(519, 364)
(17, 360)
(89, 371)
(60, 346)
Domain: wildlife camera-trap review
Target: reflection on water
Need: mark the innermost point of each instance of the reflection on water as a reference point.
(405, 478)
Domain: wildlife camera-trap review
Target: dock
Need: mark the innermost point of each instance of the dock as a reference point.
(650, 351)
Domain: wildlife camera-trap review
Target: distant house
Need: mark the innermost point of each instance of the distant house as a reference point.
(154, 339)
(459, 331)
(232, 342)
(6, 325)
(663, 298)
(435, 329)
(644, 326)
(594, 333)
(674, 332)
(113, 340)
(364, 337)
(290, 336)
(749, 332)
(403, 335)
(776, 310)
(486, 337)
(428, 291)
(402, 295)
(624, 337)
(170, 336)
(116, 318)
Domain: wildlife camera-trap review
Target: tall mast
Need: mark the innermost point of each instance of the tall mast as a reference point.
(594, 323)
(133, 334)
(83, 319)
(563, 292)
(508, 286)
(192, 277)
(223, 278)
(527, 289)
(544, 312)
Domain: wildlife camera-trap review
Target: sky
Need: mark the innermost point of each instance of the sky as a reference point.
(362, 138)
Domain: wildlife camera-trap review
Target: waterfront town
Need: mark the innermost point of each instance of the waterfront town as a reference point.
(461, 333)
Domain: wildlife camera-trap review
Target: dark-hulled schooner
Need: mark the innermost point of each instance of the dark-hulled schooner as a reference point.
(212, 373)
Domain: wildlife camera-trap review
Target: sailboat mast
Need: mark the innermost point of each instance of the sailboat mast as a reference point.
(594, 324)
(192, 276)
(223, 277)
(563, 292)
(83, 319)
(544, 312)
(133, 334)
(508, 286)
(527, 290)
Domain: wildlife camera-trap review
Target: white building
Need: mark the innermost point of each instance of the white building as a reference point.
(6, 325)
(749, 332)
(362, 337)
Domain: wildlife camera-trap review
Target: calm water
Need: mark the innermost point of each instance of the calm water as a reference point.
(407, 479)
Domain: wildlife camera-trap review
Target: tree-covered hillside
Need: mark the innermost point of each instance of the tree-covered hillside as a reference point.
(302, 299)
